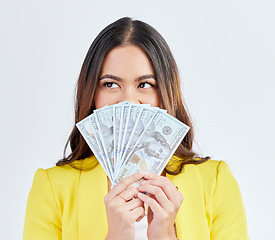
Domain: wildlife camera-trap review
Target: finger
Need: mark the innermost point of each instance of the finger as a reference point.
(137, 214)
(128, 194)
(125, 183)
(152, 203)
(134, 203)
(150, 175)
(140, 218)
(170, 190)
(165, 184)
(157, 192)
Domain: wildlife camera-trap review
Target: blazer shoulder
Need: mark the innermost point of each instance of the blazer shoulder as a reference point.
(210, 165)
(209, 173)
(211, 168)
(206, 173)
(61, 174)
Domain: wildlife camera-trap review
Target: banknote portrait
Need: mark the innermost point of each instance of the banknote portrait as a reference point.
(107, 134)
(152, 150)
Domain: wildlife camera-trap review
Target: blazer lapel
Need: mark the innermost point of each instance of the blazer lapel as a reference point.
(191, 222)
(92, 221)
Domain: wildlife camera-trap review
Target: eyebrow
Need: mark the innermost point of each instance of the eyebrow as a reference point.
(146, 77)
(140, 78)
(110, 76)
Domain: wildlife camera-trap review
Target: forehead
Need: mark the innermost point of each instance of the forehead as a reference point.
(127, 59)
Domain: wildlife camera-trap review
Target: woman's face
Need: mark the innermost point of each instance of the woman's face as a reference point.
(156, 149)
(127, 75)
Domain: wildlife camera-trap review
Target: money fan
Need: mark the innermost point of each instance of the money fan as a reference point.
(127, 138)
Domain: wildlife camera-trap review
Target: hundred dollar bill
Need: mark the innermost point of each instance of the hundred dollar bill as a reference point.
(117, 117)
(134, 113)
(104, 118)
(98, 136)
(142, 114)
(122, 129)
(155, 146)
(86, 131)
(117, 111)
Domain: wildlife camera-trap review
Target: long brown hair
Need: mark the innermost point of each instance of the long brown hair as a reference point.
(122, 32)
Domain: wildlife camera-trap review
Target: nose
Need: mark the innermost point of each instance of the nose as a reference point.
(129, 95)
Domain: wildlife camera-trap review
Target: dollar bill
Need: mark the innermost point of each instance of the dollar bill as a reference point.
(134, 113)
(105, 121)
(155, 146)
(127, 138)
(142, 117)
(103, 151)
(122, 129)
(117, 116)
(86, 131)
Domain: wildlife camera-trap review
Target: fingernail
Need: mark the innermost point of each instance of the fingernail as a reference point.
(144, 173)
(142, 182)
(135, 185)
(140, 194)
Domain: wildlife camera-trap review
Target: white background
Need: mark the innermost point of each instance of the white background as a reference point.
(225, 51)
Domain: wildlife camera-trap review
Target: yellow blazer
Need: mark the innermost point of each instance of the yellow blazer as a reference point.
(65, 203)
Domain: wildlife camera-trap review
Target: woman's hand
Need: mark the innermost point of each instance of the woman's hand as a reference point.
(164, 201)
(123, 209)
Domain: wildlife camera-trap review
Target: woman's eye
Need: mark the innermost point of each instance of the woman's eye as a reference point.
(111, 85)
(145, 85)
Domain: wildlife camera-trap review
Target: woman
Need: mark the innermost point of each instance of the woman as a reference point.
(130, 61)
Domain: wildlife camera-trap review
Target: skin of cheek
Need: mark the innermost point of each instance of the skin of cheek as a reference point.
(103, 98)
(152, 99)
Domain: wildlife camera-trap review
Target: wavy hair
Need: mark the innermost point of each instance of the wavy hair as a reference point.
(123, 32)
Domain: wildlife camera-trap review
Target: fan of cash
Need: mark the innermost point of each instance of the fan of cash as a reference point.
(127, 138)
